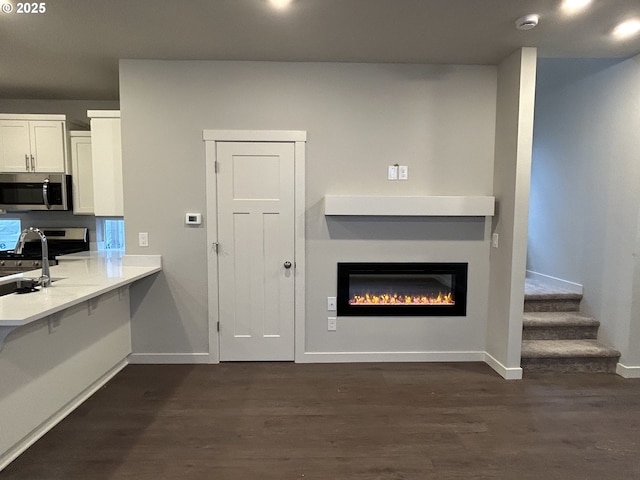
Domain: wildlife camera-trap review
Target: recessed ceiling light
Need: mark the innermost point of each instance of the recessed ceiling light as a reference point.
(627, 29)
(573, 6)
(280, 4)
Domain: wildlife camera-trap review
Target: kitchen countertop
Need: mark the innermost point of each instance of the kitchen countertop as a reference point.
(77, 278)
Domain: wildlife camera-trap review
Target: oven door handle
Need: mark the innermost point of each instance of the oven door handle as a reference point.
(45, 193)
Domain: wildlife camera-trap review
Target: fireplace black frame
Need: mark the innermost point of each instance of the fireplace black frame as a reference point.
(459, 289)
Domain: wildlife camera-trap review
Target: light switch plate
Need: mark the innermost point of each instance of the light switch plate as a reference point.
(393, 172)
(494, 240)
(143, 239)
(403, 172)
(331, 303)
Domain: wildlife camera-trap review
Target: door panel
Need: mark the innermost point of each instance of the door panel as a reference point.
(14, 145)
(47, 146)
(256, 237)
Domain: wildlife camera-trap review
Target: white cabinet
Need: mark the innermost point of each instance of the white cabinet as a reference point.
(106, 152)
(33, 143)
(82, 172)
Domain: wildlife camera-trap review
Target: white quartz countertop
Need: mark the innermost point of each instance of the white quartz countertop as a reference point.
(77, 278)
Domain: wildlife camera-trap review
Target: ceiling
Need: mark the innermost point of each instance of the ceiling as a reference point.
(71, 51)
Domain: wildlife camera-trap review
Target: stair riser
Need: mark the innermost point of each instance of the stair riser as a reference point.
(569, 365)
(568, 305)
(559, 333)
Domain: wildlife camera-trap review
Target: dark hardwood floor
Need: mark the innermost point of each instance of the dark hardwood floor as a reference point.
(245, 421)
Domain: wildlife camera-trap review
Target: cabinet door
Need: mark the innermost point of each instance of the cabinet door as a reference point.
(107, 167)
(47, 146)
(15, 149)
(82, 175)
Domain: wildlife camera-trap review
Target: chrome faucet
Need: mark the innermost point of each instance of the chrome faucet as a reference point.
(45, 279)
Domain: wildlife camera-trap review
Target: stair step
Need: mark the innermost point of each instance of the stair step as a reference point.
(540, 297)
(558, 326)
(552, 302)
(568, 356)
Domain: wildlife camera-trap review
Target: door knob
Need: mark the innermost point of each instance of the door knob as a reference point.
(287, 264)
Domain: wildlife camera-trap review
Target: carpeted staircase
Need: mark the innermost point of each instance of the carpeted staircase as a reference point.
(556, 337)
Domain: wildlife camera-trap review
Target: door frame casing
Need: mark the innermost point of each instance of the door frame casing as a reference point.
(299, 139)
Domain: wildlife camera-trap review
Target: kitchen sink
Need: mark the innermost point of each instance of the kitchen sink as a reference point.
(21, 285)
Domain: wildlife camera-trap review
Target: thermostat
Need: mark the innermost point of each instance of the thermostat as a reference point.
(193, 218)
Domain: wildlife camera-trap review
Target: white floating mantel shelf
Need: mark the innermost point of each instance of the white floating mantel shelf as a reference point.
(423, 206)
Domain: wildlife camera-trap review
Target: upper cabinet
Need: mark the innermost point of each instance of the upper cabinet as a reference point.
(82, 173)
(106, 153)
(33, 143)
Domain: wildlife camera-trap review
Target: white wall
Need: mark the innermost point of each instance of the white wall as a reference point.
(514, 129)
(438, 120)
(585, 195)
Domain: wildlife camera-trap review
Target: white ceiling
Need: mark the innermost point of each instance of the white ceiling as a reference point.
(71, 51)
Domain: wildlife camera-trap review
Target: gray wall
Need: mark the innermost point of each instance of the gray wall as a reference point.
(74, 109)
(514, 128)
(585, 200)
(438, 120)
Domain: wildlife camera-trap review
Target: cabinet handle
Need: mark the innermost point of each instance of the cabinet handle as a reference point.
(26, 161)
(45, 193)
(33, 164)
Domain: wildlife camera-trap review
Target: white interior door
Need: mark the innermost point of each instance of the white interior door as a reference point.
(256, 250)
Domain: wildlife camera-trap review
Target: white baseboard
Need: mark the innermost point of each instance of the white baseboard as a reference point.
(346, 357)
(168, 358)
(627, 372)
(556, 282)
(15, 451)
(505, 372)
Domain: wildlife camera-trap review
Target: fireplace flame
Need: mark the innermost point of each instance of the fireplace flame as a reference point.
(395, 299)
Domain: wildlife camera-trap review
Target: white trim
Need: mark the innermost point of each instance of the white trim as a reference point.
(15, 451)
(505, 372)
(254, 135)
(300, 249)
(384, 205)
(169, 358)
(352, 357)
(103, 113)
(299, 137)
(212, 262)
(570, 287)
(80, 133)
(32, 116)
(627, 372)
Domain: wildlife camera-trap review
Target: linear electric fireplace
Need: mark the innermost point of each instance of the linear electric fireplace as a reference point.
(402, 289)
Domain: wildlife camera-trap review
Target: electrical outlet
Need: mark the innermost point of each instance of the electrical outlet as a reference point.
(331, 303)
(331, 324)
(403, 172)
(143, 239)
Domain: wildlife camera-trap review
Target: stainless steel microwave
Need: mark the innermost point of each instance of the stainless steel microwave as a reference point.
(35, 191)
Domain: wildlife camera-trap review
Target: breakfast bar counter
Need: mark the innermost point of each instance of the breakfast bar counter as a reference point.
(60, 344)
(77, 278)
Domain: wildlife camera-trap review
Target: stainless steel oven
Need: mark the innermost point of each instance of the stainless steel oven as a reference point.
(35, 191)
(61, 241)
